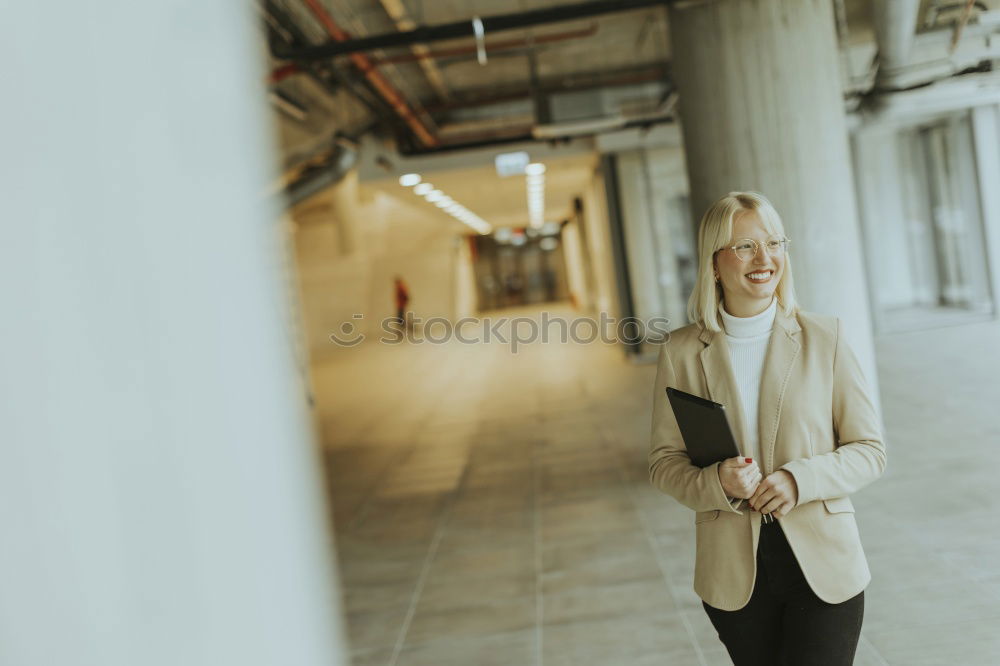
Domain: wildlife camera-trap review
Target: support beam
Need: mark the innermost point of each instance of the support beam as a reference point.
(895, 29)
(556, 84)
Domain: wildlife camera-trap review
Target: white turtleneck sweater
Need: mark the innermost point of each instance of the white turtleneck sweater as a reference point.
(747, 338)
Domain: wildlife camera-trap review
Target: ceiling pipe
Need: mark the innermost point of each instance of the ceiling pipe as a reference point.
(393, 97)
(282, 29)
(328, 170)
(618, 78)
(397, 12)
(895, 31)
(286, 70)
(461, 29)
(491, 47)
(489, 139)
(281, 73)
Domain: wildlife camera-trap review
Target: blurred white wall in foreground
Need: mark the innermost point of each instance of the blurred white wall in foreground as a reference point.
(160, 501)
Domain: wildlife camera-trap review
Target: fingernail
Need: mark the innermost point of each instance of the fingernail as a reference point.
(749, 460)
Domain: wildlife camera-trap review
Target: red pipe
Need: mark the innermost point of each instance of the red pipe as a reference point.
(282, 73)
(285, 71)
(363, 63)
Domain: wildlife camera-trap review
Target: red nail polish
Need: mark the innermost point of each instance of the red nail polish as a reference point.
(749, 460)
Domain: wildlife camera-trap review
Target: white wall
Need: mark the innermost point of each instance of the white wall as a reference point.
(882, 192)
(883, 216)
(648, 179)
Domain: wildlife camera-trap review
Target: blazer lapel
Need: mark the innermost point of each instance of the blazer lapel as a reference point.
(721, 381)
(782, 349)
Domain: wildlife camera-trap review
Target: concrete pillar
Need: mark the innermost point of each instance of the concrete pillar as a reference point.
(986, 130)
(762, 110)
(160, 493)
(595, 217)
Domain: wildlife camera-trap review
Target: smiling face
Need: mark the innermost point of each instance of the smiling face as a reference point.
(748, 286)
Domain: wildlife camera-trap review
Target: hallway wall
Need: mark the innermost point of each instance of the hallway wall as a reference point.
(350, 242)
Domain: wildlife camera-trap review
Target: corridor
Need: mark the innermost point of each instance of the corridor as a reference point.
(494, 508)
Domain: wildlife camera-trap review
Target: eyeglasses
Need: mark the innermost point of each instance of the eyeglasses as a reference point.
(746, 248)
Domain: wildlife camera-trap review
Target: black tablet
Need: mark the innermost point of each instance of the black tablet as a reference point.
(704, 427)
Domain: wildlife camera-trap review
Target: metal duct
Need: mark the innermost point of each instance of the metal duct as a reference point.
(323, 174)
(895, 29)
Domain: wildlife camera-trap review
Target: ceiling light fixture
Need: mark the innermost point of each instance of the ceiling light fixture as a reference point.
(445, 203)
(535, 177)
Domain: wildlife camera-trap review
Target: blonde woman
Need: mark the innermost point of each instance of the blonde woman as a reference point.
(789, 589)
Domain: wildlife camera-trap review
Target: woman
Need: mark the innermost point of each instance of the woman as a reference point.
(789, 589)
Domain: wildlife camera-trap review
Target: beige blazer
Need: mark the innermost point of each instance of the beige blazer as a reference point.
(816, 420)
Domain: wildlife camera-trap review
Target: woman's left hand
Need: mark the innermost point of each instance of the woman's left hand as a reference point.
(777, 494)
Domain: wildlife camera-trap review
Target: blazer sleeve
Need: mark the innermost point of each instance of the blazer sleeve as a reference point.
(670, 467)
(859, 457)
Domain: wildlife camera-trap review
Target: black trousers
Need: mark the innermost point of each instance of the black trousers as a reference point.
(785, 622)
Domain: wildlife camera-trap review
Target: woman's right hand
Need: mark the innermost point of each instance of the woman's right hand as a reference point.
(739, 476)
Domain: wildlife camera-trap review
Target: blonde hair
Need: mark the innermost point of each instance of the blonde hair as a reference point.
(714, 233)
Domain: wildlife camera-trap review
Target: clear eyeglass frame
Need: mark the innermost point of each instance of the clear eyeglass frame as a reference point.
(746, 248)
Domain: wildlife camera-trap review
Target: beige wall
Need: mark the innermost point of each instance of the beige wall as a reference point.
(595, 217)
(349, 242)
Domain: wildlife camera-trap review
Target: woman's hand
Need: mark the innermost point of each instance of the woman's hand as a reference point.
(777, 494)
(739, 476)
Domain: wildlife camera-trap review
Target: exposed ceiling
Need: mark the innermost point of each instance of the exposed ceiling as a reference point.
(528, 72)
(435, 94)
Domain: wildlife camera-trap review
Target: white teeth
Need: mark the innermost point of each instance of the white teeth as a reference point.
(759, 276)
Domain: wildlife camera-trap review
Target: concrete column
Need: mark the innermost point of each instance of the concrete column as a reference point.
(576, 278)
(160, 493)
(595, 217)
(762, 110)
(986, 130)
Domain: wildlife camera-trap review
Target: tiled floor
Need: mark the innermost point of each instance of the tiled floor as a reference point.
(494, 508)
